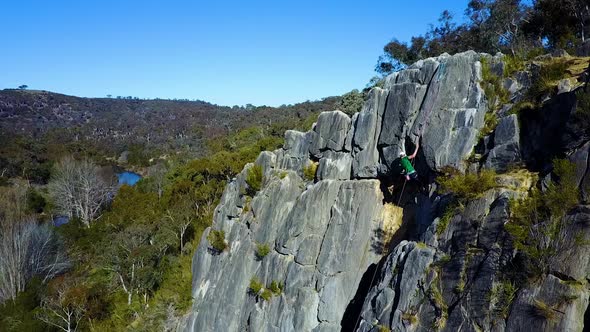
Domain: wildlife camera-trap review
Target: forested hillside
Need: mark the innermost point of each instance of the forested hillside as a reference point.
(39, 127)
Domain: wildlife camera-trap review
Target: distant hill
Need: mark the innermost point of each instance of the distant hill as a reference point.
(51, 121)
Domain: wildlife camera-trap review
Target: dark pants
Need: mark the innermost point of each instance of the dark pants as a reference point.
(414, 177)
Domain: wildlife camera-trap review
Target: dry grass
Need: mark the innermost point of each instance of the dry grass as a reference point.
(392, 221)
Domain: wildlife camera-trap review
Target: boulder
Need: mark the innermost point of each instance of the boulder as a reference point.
(295, 152)
(329, 133)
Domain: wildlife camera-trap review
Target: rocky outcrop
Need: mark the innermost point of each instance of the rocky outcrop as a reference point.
(506, 150)
(351, 254)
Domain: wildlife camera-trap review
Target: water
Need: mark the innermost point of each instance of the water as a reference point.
(60, 220)
(128, 178)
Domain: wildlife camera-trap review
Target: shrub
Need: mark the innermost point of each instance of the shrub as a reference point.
(266, 295)
(276, 287)
(410, 317)
(255, 286)
(35, 202)
(351, 102)
(468, 186)
(254, 179)
(309, 171)
(217, 240)
(262, 249)
(561, 197)
(535, 221)
(492, 86)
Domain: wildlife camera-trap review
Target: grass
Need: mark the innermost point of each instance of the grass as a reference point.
(501, 297)
(410, 317)
(262, 249)
(536, 220)
(276, 287)
(513, 64)
(460, 287)
(446, 218)
(383, 328)
(445, 259)
(392, 221)
(309, 171)
(247, 206)
(522, 106)
(468, 186)
(492, 86)
(542, 309)
(554, 70)
(441, 307)
(550, 73)
(490, 123)
(217, 240)
(266, 295)
(255, 286)
(254, 179)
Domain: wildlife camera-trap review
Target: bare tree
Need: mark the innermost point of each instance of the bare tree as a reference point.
(64, 307)
(158, 175)
(78, 189)
(27, 249)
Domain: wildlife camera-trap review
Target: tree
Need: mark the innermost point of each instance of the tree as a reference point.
(181, 217)
(496, 25)
(27, 249)
(65, 304)
(78, 190)
(492, 26)
(562, 23)
(23, 87)
(132, 256)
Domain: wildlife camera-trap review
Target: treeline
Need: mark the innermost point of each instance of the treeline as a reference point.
(513, 27)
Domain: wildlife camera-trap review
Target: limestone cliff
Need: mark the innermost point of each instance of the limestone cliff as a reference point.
(353, 248)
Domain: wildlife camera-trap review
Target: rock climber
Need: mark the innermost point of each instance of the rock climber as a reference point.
(407, 168)
(409, 171)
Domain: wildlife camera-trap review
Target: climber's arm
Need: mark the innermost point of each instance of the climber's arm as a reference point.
(415, 151)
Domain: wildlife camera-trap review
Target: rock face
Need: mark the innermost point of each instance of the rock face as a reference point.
(506, 151)
(346, 253)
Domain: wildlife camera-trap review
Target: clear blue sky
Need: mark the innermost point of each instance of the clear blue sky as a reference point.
(225, 52)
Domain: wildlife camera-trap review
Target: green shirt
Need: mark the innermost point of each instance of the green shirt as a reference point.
(407, 165)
